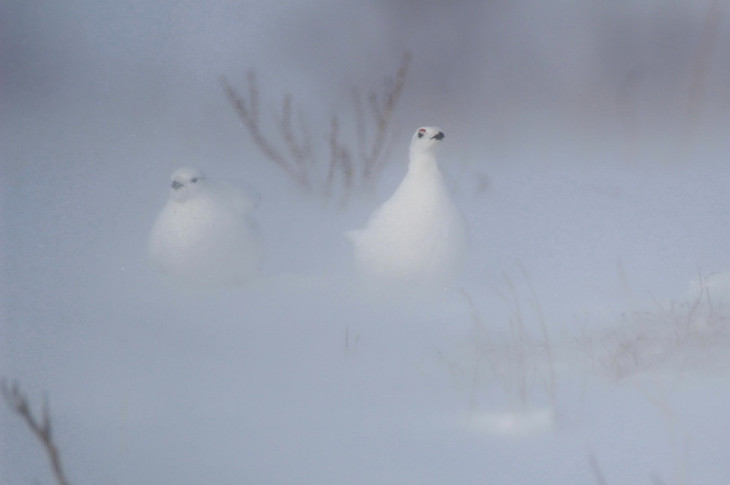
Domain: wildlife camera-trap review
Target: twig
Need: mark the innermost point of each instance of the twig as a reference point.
(596, 468)
(696, 304)
(374, 163)
(248, 114)
(340, 162)
(334, 156)
(361, 132)
(42, 430)
(297, 158)
(300, 151)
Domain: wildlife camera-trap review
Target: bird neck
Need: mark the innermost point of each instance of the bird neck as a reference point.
(422, 162)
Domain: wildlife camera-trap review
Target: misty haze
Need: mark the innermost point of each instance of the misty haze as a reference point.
(586, 339)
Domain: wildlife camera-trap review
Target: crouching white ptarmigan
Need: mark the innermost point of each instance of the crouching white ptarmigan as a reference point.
(418, 236)
(204, 234)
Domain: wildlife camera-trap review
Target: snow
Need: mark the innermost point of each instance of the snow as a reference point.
(589, 334)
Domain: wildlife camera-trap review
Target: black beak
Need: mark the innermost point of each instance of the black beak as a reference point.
(438, 136)
(176, 185)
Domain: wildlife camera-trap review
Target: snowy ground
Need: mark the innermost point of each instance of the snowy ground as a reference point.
(588, 342)
(574, 337)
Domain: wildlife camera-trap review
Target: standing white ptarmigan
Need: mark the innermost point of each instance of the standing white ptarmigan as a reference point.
(205, 234)
(418, 236)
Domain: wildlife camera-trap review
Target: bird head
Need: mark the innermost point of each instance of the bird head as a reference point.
(186, 182)
(426, 139)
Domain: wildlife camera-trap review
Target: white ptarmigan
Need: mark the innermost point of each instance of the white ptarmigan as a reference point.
(418, 236)
(204, 234)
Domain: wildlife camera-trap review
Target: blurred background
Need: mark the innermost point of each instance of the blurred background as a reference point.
(495, 72)
(586, 142)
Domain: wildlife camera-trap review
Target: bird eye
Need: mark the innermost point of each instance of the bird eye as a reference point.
(194, 180)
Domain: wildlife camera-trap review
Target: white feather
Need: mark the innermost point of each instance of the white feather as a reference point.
(417, 236)
(205, 234)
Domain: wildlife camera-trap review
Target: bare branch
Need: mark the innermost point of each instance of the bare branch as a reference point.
(298, 157)
(15, 398)
(373, 164)
(249, 117)
(306, 141)
(361, 134)
(334, 156)
(297, 149)
(340, 161)
(374, 107)
(253, 95)
(284, 122)
(348, 171)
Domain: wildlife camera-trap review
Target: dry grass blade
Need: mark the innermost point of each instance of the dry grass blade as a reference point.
(480, 333)
(545, 334)
(42, 430)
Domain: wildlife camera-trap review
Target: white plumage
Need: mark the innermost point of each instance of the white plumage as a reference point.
(205, 234)
(418, 236)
